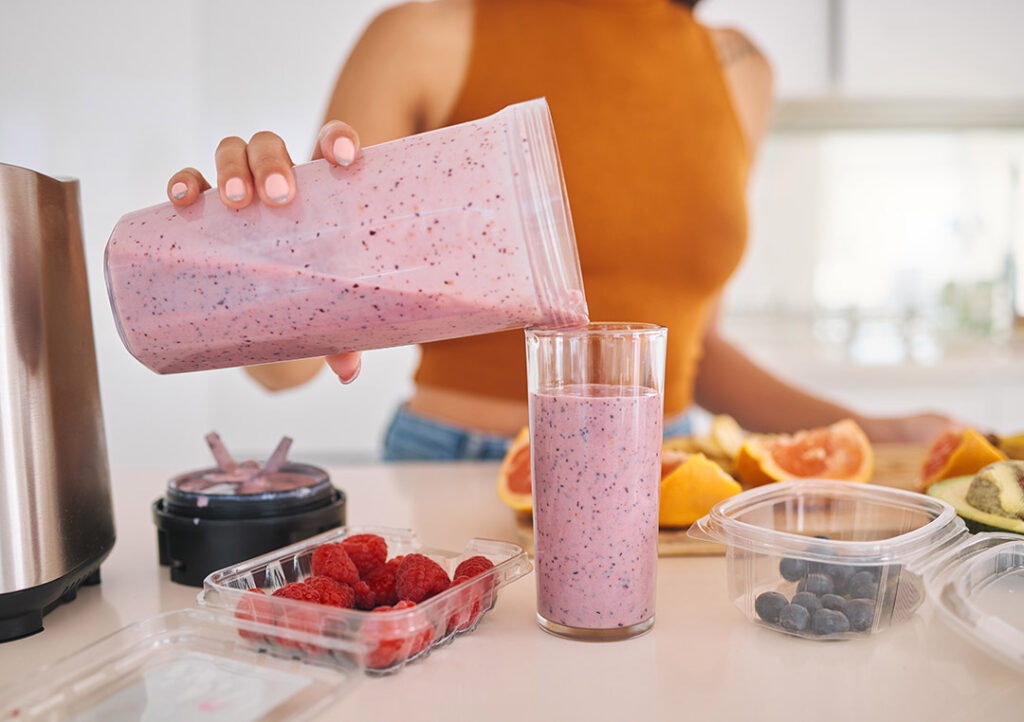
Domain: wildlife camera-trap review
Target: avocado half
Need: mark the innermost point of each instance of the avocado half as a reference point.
(991, 500)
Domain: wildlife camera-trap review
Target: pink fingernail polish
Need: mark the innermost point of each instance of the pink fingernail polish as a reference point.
(178, 190)
(277, 188)
(344, 150)
(234, 189)
(355, 374)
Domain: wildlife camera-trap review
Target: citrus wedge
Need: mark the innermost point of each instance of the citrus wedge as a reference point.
(840, 451)
(689, 492)
(515, 483)
(958, 453)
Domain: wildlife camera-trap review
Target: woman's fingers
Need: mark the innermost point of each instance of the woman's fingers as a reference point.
(234, 181)
(185, 186)
(338, 142)
(271, 168)
(345, 365)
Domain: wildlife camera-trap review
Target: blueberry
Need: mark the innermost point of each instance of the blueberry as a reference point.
(841, 574)
(808, 601)
(793, 570)
(794, 618)
(829, 621)
(768, 605)
(817, 584)
(874, 572)
(861, 577)
(834, 602)
(861, 614)
(863, 590)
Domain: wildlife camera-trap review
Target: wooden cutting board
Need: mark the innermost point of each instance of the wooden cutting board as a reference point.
(896, 465)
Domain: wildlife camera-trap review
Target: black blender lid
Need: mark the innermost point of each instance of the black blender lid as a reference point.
(247, 489)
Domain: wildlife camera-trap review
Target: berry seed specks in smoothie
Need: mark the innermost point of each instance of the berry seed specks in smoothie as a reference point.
(460, 231)
(596, 472)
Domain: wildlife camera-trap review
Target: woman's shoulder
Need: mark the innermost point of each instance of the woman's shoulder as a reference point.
(421, 20)
(748, 73)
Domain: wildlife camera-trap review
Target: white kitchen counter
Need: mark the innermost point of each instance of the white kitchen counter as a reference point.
(703, 659)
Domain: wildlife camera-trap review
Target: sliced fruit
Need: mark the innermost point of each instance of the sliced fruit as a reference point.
(958, 453)
(991, 500)
(727, 433)
(515, 483)
(1012, 446)
(689, 492)
(840, 451)
(672, 460)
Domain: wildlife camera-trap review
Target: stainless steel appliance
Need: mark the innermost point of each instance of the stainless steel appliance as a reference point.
(56, 521)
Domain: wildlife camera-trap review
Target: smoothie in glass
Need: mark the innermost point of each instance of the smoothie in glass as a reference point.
(596, 479)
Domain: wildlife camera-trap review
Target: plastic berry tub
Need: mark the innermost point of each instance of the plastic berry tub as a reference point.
(829, 560)
(388, 639)
(184, 665)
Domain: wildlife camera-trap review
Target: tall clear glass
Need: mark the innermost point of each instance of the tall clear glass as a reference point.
(596, 405)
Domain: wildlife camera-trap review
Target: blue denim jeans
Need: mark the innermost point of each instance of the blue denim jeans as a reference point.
(411, 437)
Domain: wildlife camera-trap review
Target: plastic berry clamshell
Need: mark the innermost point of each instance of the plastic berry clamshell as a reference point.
(184, 665)
(829, 559)
(388, 639)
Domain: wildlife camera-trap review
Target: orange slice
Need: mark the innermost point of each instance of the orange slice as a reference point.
(689, 492)
(840, 451)
(958, 453)
(515, 483)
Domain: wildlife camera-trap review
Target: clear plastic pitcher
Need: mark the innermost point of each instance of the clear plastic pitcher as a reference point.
(460, 231)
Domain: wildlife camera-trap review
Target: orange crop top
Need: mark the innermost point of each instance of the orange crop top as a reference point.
(655, 165)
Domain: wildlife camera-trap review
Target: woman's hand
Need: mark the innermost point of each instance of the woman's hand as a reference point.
(262, 168)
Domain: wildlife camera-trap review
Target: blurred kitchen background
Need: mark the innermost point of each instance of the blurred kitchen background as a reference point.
(886, 263)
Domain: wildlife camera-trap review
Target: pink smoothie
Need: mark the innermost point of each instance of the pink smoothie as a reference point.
(596, 455)
(421, 239)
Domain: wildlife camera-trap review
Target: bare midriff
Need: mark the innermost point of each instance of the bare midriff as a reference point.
(490, 415)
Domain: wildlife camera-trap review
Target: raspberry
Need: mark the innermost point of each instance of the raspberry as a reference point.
(467, 602)
(367, 551)
(254, 607)
(331, 560)
(418, 578)
(301, 618)
(365, 598)
(473, 566)
(298, 590)
(332, 592)
(395, 640)
(382, 582)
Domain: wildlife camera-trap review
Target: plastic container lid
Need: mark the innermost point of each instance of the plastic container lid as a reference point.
(979, 590)
(185, 665)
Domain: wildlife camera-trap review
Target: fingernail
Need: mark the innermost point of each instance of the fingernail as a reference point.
(277, 188)
(234, 189)
(178, 190)
(344, 150)
(355, 374)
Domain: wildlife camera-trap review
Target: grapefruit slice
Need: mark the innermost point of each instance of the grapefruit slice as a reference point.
(958, 453)
(840, 451)
(689, 492)
(515, 483)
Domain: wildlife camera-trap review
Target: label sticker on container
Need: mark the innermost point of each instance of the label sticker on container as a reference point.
(198, 686)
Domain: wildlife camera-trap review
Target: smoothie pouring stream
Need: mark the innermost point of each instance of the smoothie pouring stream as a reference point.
(456, 232)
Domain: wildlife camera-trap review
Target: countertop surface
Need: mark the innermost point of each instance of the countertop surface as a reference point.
(702, 660)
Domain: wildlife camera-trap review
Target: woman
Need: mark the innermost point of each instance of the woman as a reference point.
(658, 119)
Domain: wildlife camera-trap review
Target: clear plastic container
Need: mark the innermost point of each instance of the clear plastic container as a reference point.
(186, 665)
(979, 588)
(460, 231)
(866, 546)
(390, 639)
